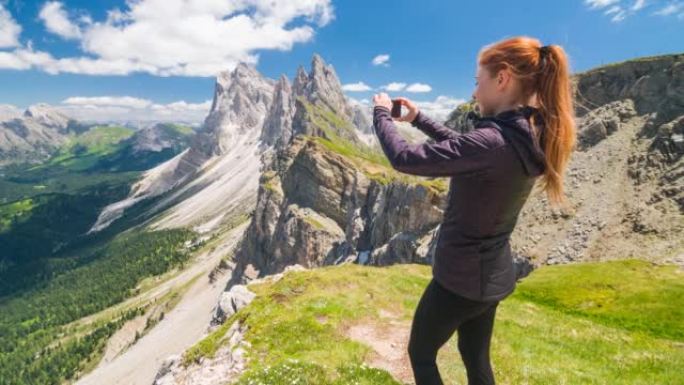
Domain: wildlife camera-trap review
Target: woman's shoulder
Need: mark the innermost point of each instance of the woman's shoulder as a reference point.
(485, 135)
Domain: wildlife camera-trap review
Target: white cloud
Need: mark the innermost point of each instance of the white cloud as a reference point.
(418, 87)
(619, 13)
(132, 109)
(600, 3)
(9, 29)
(619, 10)
(382, 59)
(176, 37)
(638, 4)
(119, 101)
(440, 108)
(394, 87)
(356, 87)
(57, 21)
(669, 9)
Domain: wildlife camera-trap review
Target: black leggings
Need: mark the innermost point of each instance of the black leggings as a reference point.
(439, 313)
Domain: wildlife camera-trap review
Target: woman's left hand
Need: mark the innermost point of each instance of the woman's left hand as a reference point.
(382, 99)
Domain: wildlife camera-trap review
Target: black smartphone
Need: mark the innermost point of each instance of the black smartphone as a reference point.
(396, 108)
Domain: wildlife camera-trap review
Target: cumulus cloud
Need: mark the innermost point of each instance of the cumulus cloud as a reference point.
(381, 60)
(57, 21)
(132, 109)
(619, 10)
(418, 87)
(394, 87)
(174, 37)
(9, 29)
(356, 87)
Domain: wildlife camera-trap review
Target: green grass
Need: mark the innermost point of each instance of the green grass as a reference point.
(83, 151)
(549, 331)
(630, 294)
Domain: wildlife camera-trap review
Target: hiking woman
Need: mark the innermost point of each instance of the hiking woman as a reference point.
(525, 131)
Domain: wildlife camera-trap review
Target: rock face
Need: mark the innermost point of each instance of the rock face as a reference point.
(315, 207)
(625, 180)
(655, 84)
(241, 100)
(34, 136)
(278, 124)
(231, 301)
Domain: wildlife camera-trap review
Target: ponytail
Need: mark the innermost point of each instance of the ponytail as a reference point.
(544, 74)
(554, 99)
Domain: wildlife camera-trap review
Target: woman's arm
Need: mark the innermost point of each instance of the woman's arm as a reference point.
(454, 155)
(433, 129)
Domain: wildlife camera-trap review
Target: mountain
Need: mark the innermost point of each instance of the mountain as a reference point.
(251, 117)
(35, 135)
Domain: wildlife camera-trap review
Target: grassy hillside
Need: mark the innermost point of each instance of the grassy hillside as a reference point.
(614, 322)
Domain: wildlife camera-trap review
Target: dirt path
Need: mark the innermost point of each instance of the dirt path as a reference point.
(181, 327)
(389, 340)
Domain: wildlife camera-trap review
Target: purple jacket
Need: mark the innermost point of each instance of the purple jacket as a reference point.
(493, 169)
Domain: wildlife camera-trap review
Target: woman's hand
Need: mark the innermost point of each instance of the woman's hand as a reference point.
(412, 110)
(382, 99)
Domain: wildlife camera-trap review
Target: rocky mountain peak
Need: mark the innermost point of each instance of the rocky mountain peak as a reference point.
(242, 98)
(321, 108)
(278, 122)
(300, 82)
(325, 86)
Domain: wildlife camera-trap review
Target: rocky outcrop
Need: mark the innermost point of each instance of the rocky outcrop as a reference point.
(655, 84)
(229, 361)
(597, 124)
(230, 302)
(316, 207)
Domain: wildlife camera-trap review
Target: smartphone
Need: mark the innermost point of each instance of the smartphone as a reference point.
(396, 108)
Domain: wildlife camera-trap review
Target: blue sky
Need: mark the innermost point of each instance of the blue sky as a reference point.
(160, 55)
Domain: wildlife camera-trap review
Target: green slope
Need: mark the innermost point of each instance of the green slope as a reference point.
(550, 331)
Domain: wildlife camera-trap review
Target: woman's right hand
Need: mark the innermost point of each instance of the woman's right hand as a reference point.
(412, 110)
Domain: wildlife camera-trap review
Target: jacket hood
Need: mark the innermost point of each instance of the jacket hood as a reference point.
(515, 126)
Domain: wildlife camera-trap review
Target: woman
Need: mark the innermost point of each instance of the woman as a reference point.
(525, 132)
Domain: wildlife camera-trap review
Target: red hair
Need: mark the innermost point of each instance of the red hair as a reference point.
(548, 81)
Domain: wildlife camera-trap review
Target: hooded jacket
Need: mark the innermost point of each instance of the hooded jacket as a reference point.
(493, 169)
